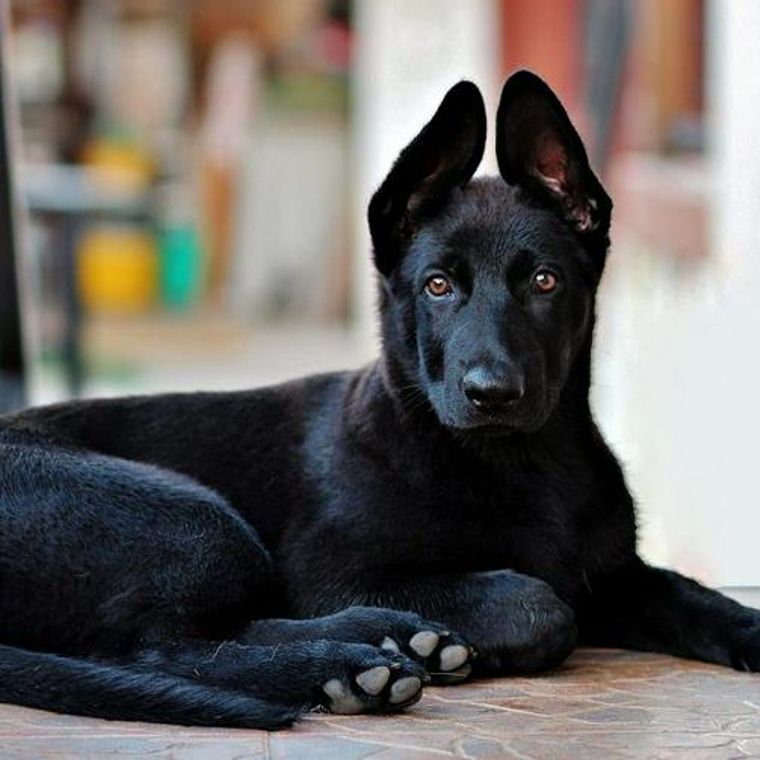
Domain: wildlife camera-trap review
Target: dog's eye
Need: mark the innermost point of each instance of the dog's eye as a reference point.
(438, 286)
(544, 281)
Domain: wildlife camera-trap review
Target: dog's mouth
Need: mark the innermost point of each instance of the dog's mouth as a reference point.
(490, 424)
(495, 423)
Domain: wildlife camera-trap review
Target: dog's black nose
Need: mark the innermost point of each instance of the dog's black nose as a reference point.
(488, 390)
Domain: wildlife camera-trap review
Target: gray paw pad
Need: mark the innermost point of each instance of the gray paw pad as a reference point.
(342, 701)
(405, 689)
(424, 643)
(389, 644)
(453, 657)
(373, 681)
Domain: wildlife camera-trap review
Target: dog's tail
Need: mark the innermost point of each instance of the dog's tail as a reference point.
(117, 692)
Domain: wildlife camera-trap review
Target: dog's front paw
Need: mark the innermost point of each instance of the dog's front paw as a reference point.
(446, 656)
(368, 679)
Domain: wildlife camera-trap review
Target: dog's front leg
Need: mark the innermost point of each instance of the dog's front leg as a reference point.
(645, 608)
(516, 623)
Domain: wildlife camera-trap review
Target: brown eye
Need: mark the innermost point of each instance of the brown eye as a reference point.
(438, 286)
(544, 282)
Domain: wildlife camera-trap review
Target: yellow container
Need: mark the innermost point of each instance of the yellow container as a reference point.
(118, 269)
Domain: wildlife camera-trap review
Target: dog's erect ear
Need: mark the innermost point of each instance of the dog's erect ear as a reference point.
(538, 148)
(444, 155)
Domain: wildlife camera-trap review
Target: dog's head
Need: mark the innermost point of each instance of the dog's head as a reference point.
(488, 285)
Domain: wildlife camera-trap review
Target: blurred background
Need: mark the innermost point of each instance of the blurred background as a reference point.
(191, 180)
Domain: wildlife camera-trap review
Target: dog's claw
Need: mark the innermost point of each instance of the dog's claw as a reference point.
(452, 676)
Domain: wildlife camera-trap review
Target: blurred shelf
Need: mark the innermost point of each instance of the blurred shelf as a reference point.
(73, 190)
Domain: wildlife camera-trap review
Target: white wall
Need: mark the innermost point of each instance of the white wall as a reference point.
(679, 353)
(408, 54)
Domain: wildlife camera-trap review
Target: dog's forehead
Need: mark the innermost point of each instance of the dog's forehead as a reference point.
(490, 220)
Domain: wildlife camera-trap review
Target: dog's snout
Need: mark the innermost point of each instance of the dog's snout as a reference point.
(487, 389)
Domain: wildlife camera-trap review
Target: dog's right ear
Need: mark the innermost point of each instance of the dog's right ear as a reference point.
(444, 155)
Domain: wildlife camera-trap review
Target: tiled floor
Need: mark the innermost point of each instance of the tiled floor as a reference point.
(601, 704)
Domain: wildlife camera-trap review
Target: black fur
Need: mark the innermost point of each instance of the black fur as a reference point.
(460, 477)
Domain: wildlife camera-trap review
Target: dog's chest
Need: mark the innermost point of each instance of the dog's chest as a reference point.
(524, 527)
(457, 522)
(414, 512)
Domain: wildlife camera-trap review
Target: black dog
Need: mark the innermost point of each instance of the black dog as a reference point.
(460, 478)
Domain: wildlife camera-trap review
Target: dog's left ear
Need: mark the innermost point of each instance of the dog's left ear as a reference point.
(538, 148)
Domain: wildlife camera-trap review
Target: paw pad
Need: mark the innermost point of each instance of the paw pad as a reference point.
(453, 657)
(342, 700)
(373, 681)
(424, 643)
(405, 689)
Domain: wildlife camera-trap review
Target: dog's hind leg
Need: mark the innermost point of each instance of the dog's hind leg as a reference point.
(97, 554)
(344, 677)
(133, 573)
(105, 690)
